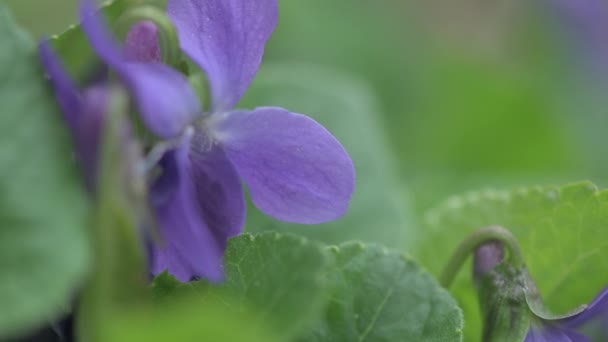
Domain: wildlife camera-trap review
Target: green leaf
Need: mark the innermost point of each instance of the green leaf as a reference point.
(561, 230)
(184, 321)
(44, 249)
(384, 296)
(74, 49)
(281, 276)
(346, 107)
(33, 15)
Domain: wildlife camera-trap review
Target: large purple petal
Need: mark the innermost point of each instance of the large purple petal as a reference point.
(83, 113)
(164, 97)
(226, 39)
(199, 205)
(295, 169)
(549, 333)
(218, 188)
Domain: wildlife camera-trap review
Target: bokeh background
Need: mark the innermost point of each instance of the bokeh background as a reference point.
(431, 97)
(471, 93)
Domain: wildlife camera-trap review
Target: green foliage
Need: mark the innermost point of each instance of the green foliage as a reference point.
(561, 230)
(379, 210)
(378, 295)
(183, 321)
(33, 15)
(74, 49)
(280, 276)
(455, 120)
(353, 292)
(44, 250)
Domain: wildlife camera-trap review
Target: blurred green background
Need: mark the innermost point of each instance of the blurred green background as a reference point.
(471, 93)
(468, 94)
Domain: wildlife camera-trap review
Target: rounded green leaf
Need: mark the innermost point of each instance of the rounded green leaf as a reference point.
(380, 295)
(279, 277)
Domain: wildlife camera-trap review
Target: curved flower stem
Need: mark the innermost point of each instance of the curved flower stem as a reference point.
(479, 237)
(167, 35)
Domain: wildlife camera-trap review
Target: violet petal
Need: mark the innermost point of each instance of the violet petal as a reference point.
(83, 113)
(218, 188)
(226, 39)
(66, 92)
(594, 318)
(166, 115)
(295, 169)
(199, 205)
(550, 333)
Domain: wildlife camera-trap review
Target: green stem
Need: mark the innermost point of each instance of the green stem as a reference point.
(470, 244)
(167, 35)
(118, 278)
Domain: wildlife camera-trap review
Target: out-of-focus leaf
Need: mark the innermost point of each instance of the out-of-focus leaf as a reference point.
(33, 15)
(561, 230)
(44, 247)
(384, 296)
(379, 211)
(187, 320)
(280, 276)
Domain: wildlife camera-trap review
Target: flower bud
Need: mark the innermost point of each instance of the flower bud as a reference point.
(501, 290)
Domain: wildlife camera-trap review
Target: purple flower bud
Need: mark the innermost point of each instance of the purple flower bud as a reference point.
(487, 257)
(141, 44)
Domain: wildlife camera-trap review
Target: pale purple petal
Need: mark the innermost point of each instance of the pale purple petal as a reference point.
(199, 204)
(67, 94)
(163, 96)
(295, 169)
(89, 130)
(226, 38)
(549, 333)
(83, 113)
(593, 319)
(141, 44)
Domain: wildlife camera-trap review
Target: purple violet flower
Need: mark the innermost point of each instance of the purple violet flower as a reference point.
(490, 273)
(295, 170)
